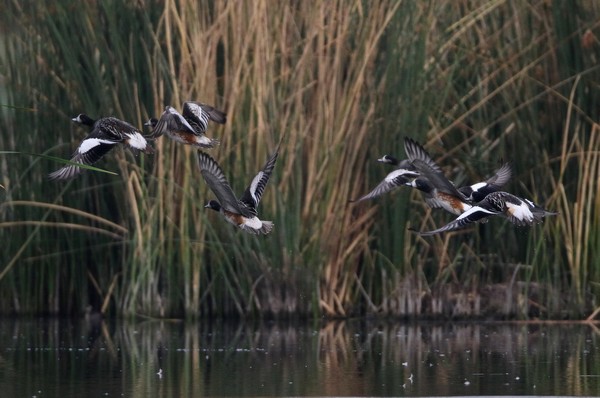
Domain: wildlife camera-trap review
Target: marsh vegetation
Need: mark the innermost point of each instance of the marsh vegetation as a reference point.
(339, 84)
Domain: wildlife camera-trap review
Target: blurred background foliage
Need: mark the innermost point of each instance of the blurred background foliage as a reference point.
(339, 84)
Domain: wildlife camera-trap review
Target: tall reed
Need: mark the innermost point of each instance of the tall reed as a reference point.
(335, 85)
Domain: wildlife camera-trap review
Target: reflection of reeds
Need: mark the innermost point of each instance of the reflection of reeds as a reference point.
(337, 84)
(342, 358)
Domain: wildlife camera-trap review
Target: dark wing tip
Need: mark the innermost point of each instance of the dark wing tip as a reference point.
(415, 151)
(427, 233)
(218, 116)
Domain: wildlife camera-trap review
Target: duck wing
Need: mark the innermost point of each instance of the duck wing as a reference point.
(393, 180)
(92, 148)
(478, 191)
(474, 214)
(253, 193)
(416, 151)
(501, 177)
(113, 128)
(199, 114)
(217, 182)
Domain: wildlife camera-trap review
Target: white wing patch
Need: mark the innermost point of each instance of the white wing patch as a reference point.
(472, 210)
(412, 183)
(466, 207)
(394, 174)
(254, 184)
(478, 186)
(136, 140)
(89, 143)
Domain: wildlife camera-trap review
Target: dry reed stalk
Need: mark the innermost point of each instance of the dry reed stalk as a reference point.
(66, 209)
(78, 227)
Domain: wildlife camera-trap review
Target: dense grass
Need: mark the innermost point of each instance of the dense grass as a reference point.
(337, 84)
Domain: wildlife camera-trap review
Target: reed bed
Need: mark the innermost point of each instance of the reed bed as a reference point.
(335, 85)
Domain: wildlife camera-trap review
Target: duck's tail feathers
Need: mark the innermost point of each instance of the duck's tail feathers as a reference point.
(267, 227)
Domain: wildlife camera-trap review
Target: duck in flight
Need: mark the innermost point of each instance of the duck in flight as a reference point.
(188, 127)
(240, 212)
(519, 211)
(405, 172)
(420, 171)
(402, 175)
(105, 134)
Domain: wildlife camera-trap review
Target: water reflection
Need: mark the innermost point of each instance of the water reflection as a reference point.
(61, 358)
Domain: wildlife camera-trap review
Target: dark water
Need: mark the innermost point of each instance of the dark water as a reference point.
(58, 358)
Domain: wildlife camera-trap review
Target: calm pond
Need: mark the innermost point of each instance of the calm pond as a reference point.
(61, 358)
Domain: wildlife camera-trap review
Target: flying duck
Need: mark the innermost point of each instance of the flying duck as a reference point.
(105, 133)
(239, 212)
(187, 128)
(405, 172)
(517, 210)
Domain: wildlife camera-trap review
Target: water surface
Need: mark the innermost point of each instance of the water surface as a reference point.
(61, 358)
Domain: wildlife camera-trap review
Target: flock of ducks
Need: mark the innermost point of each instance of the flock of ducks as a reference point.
(471, 203)
(188, 128)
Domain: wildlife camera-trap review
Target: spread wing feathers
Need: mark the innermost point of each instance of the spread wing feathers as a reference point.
(64, 173)
(201, 113)
(501, 177)
(214, 177)
(254, 192)
(393, 180)
(415, 151)
(437, 179)
(474, 214)
(89, 152)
